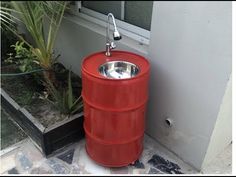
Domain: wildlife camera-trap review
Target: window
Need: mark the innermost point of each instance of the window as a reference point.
(137, 13)
(133, 18)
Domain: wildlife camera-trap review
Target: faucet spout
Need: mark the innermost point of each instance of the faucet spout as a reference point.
(116, 35)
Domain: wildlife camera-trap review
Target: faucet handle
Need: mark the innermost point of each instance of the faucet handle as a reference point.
(113, 45)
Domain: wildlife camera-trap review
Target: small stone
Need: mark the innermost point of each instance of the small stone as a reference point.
(67, 157)
(13, 171)
(25, 163)
(58, 168)
(154, 171)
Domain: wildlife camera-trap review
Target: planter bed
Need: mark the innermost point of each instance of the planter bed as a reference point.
(48, 139)
(49, 129)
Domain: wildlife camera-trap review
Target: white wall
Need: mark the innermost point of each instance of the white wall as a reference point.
(77, 38)
(190, 55)
(222, 134)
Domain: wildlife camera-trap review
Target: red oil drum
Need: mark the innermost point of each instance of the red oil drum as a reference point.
(114, 109)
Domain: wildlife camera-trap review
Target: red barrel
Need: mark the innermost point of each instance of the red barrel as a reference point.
(114, 110)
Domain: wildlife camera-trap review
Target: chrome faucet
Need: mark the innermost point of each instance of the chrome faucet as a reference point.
(116, 35)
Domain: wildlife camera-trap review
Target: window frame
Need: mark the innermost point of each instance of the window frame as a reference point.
(137, 33)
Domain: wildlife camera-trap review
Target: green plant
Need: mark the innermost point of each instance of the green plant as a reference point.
(23, 57)
(64, 98)
(5, 14)
(7, 39)
(34, 14)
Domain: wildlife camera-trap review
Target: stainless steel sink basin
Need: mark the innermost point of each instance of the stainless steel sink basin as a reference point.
(118, 70)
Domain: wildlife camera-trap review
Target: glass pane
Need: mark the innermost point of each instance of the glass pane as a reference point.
(104, 7)
(139, 13)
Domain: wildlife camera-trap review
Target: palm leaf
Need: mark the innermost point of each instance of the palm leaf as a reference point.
(33, 14)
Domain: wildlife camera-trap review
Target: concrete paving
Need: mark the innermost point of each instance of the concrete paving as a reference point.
(221, 164)
(26, 158)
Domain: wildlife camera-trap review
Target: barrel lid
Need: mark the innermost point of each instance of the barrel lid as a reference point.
(92, 62)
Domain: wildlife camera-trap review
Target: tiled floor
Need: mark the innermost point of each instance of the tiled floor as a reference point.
(25, 158)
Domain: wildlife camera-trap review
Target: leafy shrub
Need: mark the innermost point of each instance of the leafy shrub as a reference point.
(22, 57)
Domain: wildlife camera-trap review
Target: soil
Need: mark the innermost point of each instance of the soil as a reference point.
(27, 91)
(45, 112)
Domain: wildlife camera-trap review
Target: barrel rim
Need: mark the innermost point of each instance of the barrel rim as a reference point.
(141, 74)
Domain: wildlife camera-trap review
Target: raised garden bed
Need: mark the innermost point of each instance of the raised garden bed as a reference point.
(39, 119)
